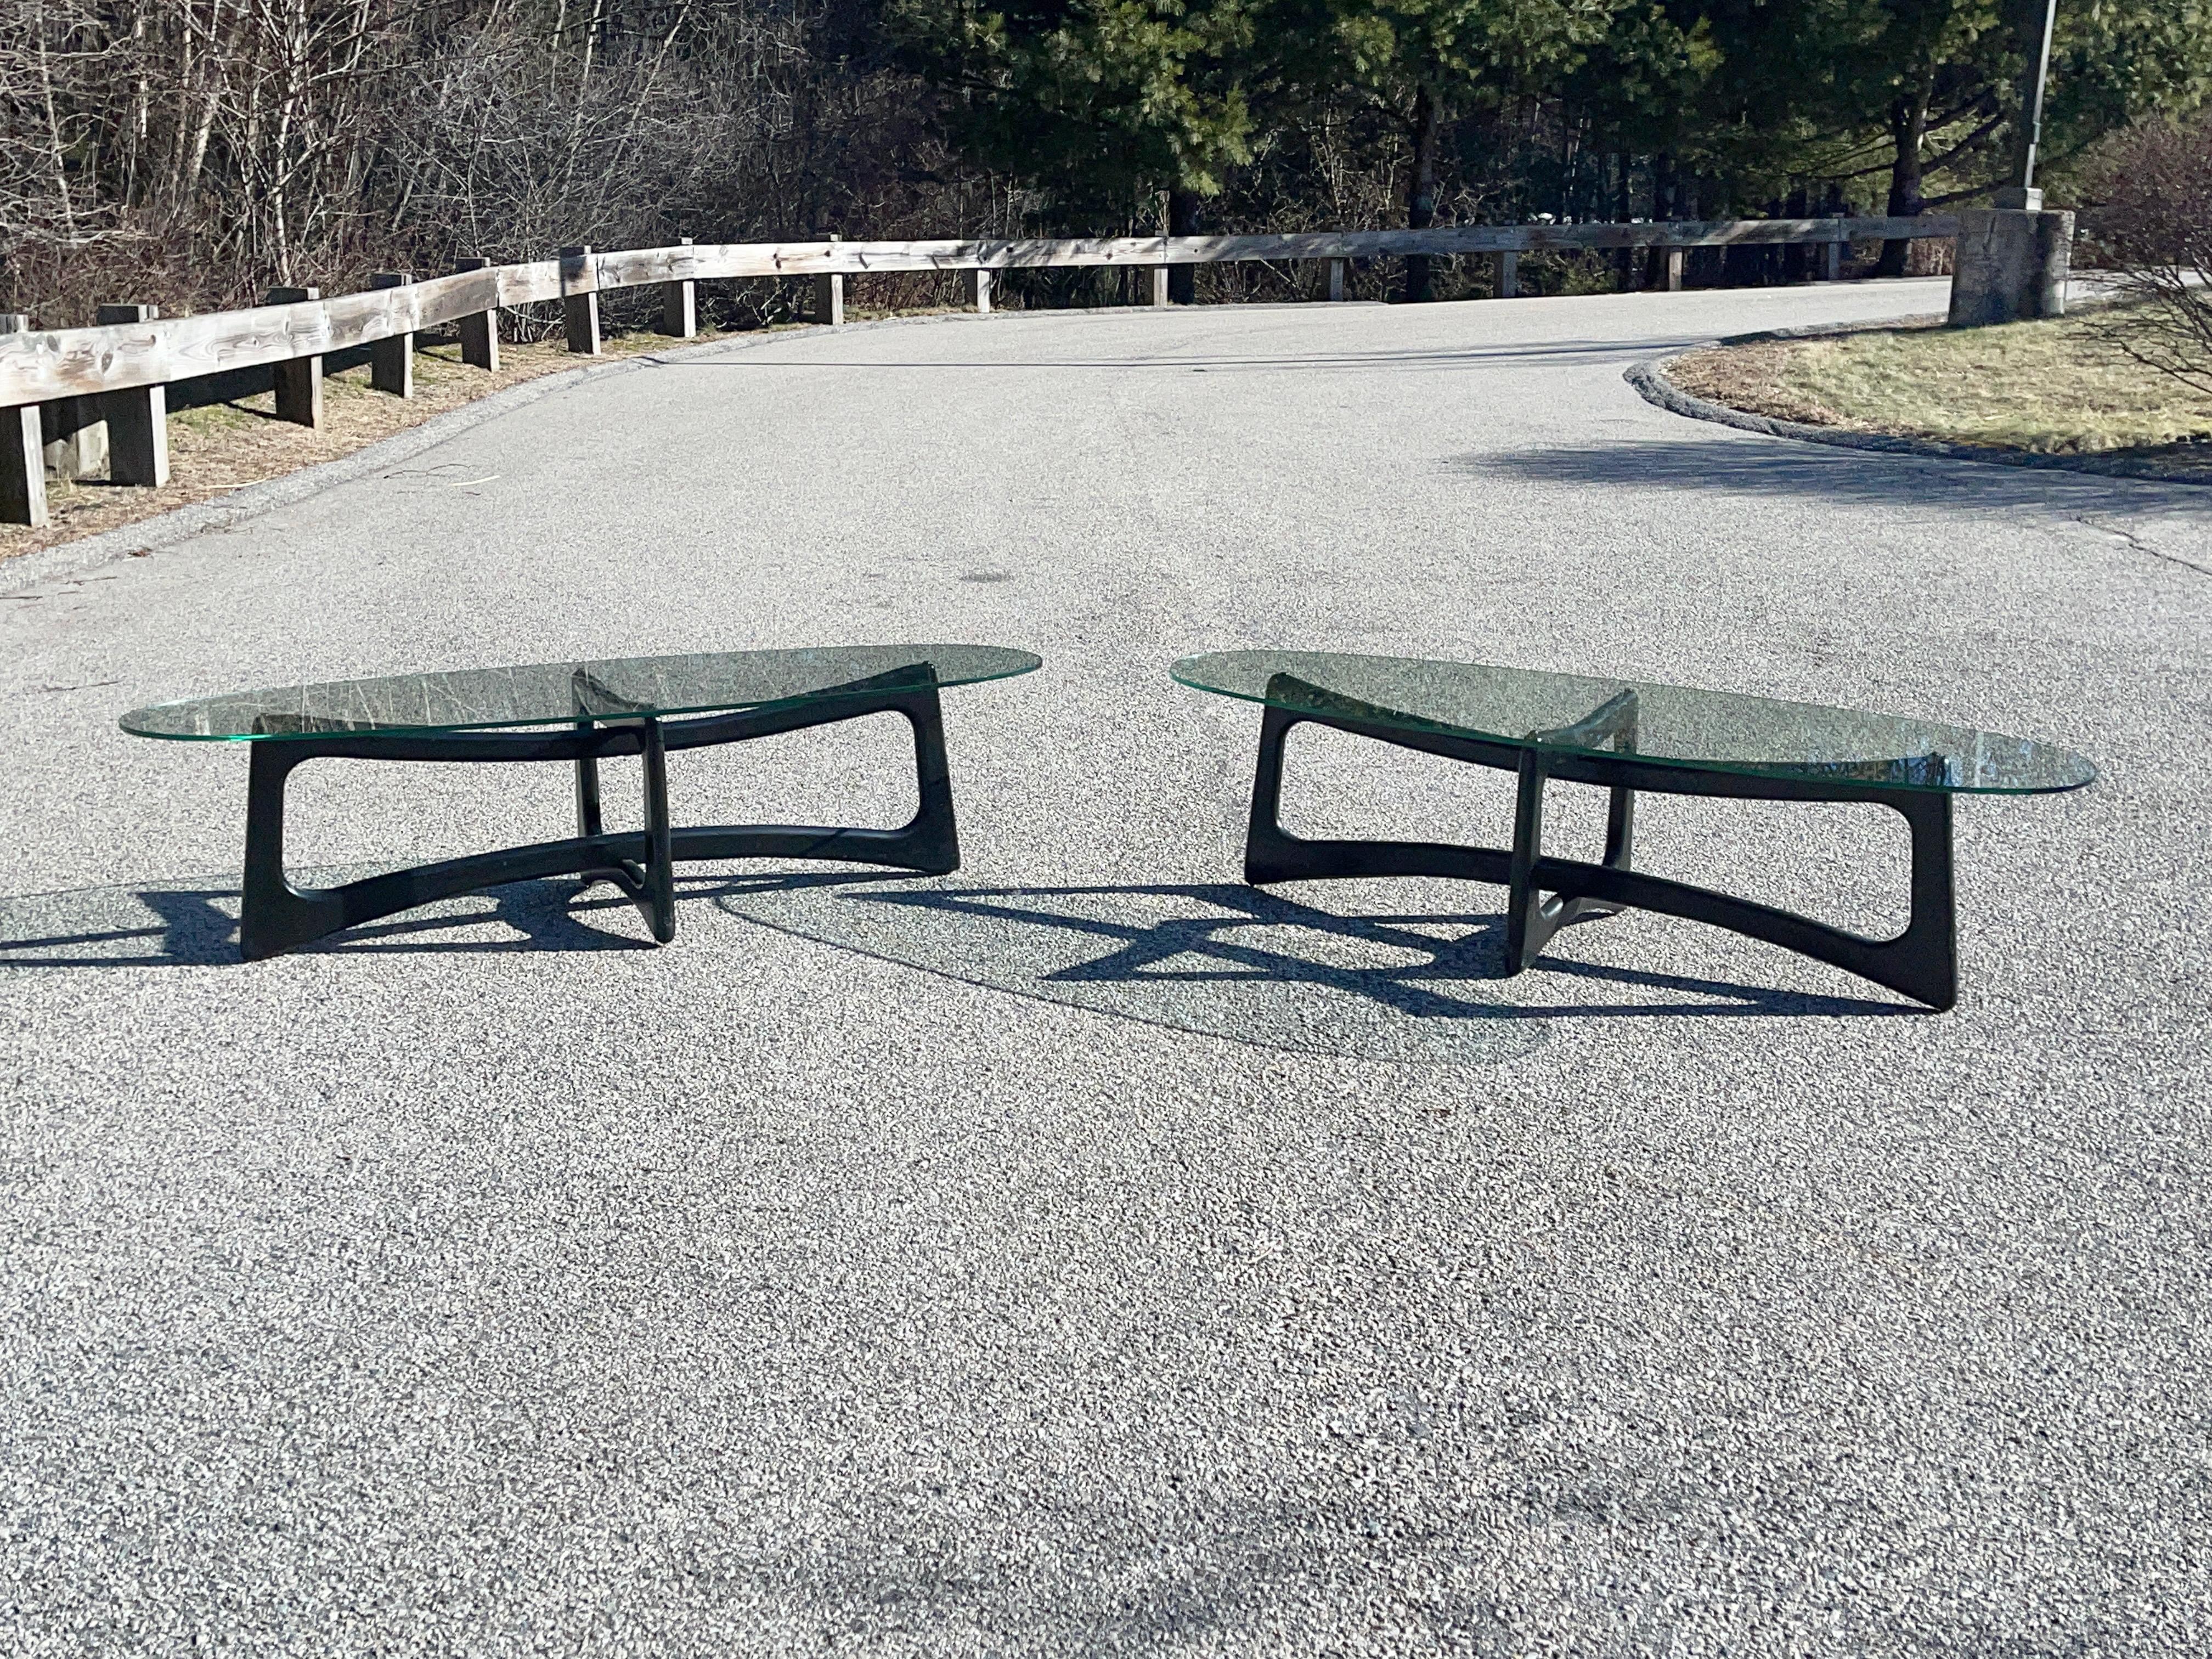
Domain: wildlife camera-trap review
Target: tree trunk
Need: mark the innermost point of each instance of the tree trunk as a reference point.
(1662, 209)
(1908, 128)
(1421, 188)
(55, 147)
(1183, 220)
(1622, 209)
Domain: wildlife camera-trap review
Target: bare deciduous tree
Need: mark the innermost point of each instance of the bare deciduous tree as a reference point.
(2153, 221)
(188, 153)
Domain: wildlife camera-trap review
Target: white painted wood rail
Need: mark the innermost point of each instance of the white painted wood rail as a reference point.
(45, 367)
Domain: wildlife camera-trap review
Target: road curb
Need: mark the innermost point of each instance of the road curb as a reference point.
(1650, 381)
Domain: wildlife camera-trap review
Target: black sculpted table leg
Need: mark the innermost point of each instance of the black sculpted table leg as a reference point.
(1921, 962)
(277, 916)
(929, 843)
(1531, 918)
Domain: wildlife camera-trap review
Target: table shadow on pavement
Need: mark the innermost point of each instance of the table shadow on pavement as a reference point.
(1230, 960)
(1220, 959)
(1748, 465)
(194, 924)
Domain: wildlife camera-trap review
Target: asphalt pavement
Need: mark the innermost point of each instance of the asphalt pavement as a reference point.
(1084, 1252)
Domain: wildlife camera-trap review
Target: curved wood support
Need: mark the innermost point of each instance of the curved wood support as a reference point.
(277, 916)
(1921, 962)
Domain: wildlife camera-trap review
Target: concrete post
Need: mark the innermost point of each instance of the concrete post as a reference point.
(679, 304)
(979, 290)
(830, 296)
(138, 419)
(1336, 271)
(299, 382)
(392, 359)
(2012, 264)
(579, 300)
(479, 329)
(23, 452)
(1160, 286)
(1508, 275)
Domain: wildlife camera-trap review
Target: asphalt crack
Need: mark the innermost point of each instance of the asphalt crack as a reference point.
(2139, 545)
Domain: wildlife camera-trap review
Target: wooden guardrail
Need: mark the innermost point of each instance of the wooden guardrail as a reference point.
(77, 401)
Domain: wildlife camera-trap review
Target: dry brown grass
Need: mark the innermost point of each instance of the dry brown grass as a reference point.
(2058, 387)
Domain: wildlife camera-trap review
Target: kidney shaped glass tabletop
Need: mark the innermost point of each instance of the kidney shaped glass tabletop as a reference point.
(1710, 730)
(555, 693)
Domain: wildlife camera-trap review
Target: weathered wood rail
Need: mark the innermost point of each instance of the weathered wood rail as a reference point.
(75, 402)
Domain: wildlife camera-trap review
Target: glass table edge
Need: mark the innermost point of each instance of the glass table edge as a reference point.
(1779, 771)
(767, 706)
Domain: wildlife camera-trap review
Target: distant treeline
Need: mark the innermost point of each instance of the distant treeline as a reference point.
(190, 153)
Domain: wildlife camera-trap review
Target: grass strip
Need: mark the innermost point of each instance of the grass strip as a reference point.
(2057, 386)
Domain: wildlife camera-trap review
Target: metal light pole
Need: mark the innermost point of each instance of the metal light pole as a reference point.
(2025, 194)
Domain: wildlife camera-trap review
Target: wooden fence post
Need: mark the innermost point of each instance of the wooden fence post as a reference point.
(299, 381)
(979, 290)
(1831, 259)
(137, 418)
(830, 296)
(1160, 286)
(1674, 255)
(23, 452)
(579, 300)
(479, 329)
(1336, 273)
(1509, 275)
(23, 467)
(75, 437)
(679, 304)
(72, 437)
(392, 361)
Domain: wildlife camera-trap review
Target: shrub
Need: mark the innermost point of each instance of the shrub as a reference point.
(2152, 222)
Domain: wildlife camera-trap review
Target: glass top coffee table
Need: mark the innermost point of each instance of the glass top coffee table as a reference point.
(579, 711)
(1626, 736)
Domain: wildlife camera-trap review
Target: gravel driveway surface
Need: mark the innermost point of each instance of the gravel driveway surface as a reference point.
(1083, 1253)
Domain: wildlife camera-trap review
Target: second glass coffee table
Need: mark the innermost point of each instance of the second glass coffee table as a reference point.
(1628, 736)
(582, 713)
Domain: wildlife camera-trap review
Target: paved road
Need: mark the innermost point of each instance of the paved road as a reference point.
(1080, 1254)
